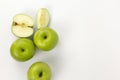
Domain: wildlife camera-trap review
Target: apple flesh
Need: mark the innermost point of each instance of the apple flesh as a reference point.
(22, 25)
(22, 49)
(43, 18)
(39, 71)
(45, 39)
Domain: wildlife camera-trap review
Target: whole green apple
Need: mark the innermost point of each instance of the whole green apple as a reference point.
(45, 38)
(22, 49)
(39, 71)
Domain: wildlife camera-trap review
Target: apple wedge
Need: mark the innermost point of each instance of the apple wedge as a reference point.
(22, 25)
(43, 18)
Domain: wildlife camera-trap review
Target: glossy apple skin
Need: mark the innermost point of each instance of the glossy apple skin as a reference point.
(39, 71)
(22, 49)
(45, 39)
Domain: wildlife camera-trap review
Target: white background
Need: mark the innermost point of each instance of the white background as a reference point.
(89, 39)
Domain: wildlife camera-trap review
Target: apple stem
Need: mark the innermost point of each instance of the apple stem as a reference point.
(40, 75)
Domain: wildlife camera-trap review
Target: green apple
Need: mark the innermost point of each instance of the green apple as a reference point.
(22, 25)
(22, 49)
(43, 18)
(39, 71)
(45, 38)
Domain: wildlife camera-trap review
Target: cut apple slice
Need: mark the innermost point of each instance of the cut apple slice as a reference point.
(22, 25)
(43, 18)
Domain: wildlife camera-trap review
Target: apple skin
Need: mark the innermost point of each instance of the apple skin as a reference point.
(39, 71)
(22, 49)
(45, 39)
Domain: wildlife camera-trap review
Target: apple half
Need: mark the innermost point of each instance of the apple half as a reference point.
(43, 18)
(22, 25)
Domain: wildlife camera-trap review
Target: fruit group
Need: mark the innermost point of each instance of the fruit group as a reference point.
(43, 18)
(45, 38)
(22, 49)
(22, 25)
(39, 71)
